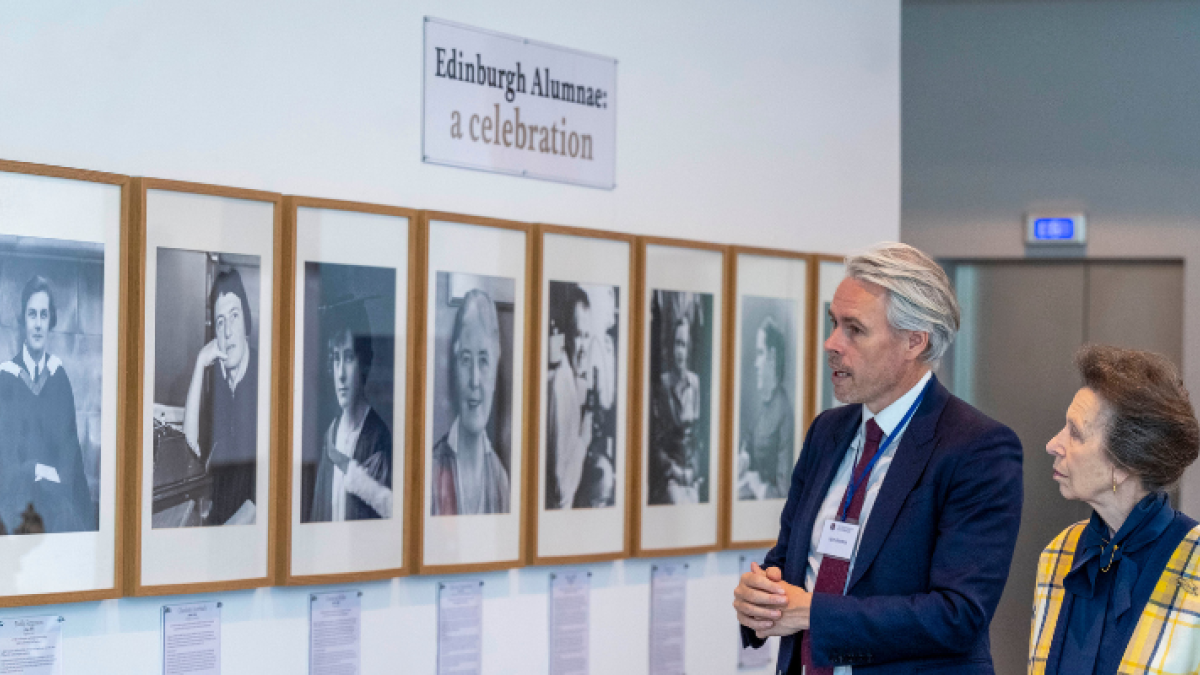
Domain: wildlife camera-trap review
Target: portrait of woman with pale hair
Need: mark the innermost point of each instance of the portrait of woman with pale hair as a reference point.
(469, 477)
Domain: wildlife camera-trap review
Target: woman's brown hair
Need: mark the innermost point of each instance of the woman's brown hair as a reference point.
(1151, 428)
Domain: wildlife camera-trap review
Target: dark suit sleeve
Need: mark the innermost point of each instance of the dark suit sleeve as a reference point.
(777, 556)
(977, 531)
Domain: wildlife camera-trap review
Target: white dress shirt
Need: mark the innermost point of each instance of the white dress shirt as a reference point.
(887, 419)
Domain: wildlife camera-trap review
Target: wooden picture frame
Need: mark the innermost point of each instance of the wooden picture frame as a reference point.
(587, 274)
(825, 268)
(763, 282)
(236, 208)
(495, 257)
(679, 515)
(45, 203)
(355, 221)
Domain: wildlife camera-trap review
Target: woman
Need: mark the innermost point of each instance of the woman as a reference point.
(1121, 590)
(468, 476)
(39, 440)
(354, 477)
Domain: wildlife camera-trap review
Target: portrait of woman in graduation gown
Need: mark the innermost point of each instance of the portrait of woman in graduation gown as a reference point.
(354, 475)
(41, 462)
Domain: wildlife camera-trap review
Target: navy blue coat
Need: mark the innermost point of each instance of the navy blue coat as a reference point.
(934, 556)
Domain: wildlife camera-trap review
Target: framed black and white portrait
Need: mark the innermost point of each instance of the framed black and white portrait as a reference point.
(828, 272)
(769, 354)
(208, 325)
(586, 285)
(472, 461)
(679, 464)
(61, 377)
(350, 403)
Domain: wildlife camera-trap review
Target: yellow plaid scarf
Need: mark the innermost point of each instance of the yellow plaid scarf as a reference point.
(1166, 640)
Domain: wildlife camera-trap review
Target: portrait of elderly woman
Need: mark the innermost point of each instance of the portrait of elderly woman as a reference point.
(469, 475)
(40, 454)
(1119, 591)
(681, 381)
(354, 470)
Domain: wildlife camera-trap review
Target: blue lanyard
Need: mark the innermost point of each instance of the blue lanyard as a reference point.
(856, 482)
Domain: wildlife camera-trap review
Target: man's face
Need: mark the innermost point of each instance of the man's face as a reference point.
(866, 355)
(681, 347)
(764, 365)
(581, 359)
(347, 375)
(475, 363)
(37, 322)
(231, 329)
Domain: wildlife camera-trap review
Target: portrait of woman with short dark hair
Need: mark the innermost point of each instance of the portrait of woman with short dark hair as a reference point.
(39, 439)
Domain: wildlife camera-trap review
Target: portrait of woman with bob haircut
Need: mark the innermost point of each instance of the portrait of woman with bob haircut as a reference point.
(354, 475)
(41, 462)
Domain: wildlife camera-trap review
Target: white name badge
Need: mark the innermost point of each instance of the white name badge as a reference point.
(838, 539)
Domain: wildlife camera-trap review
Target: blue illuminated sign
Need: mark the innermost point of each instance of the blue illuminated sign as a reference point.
(1053, 229)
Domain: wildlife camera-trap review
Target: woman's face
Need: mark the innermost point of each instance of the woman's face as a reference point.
(1081, 465)
(474, 374)
(681, 347)
(347, 373)
(37, 321)
(230, 329)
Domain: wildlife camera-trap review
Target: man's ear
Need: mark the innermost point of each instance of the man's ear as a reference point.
(918, 341)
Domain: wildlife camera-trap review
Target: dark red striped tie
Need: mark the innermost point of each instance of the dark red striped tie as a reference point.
(831, 578)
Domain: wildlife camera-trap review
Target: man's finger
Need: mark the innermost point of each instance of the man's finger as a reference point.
(774, 574)
(754, 625)
(756, 611)
(764, 584)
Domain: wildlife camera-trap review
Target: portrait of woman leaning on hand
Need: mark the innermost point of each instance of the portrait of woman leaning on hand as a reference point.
(1121, 591)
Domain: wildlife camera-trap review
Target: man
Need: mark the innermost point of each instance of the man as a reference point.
(899, 527)
(220, 416)
(765, 457)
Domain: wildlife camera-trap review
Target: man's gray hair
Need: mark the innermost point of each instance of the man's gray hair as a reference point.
(920, 297)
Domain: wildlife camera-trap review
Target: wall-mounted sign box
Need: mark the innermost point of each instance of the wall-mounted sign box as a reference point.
(1055, 229)
(506, 104)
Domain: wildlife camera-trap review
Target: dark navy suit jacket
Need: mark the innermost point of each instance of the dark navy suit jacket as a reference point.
(933, 559)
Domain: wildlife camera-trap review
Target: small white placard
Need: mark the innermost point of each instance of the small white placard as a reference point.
(31, 645)
(192, 639)
(750, 658)
(460, 628)
(511, 105)
(668, 602)
(570, 602)
(335, 633)
(838, 539)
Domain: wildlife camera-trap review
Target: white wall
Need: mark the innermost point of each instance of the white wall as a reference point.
(1080, 105)
(773, 124)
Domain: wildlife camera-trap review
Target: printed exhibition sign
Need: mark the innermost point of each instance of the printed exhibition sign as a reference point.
(506, 104)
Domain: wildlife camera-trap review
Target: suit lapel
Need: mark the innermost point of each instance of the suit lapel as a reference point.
(916, 447)
(844, 431)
